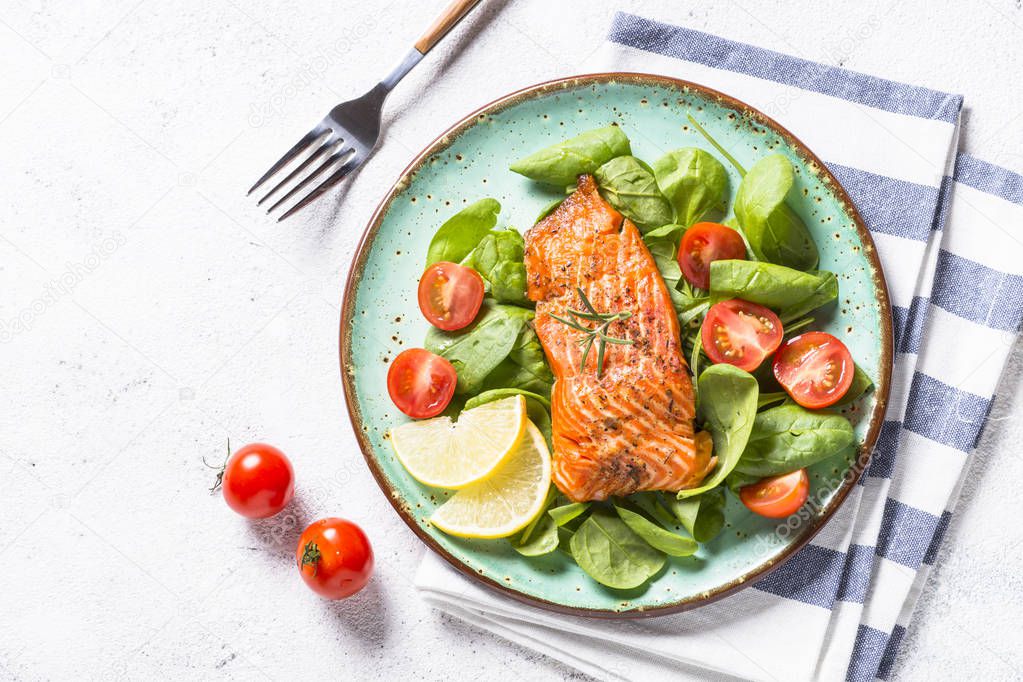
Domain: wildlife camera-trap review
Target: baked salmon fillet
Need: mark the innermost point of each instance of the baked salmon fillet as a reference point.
(629, 427)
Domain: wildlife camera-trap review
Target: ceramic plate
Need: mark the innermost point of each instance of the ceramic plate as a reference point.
(380, 317)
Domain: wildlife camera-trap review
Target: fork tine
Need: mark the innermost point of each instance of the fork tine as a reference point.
(331, 160)
(336, 177)
(323, 149)
(307, 140)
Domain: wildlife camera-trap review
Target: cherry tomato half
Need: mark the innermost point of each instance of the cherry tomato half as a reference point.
(815, 368)
(258, 481)
(450, 295)
(740, 333)
(334, 557)
(420, 383)
(777, 497)
(704, 243)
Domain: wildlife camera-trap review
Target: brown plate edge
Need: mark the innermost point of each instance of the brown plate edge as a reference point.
(882, 390)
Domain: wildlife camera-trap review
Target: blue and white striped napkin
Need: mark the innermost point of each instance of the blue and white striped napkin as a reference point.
(949, 230)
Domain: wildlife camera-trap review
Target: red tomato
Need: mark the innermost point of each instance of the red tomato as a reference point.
(420, 383)
(815, 368)
(257, 481)
(777, 497)
(334, 557)
(450, 295)
(740, 333)
(704, 243)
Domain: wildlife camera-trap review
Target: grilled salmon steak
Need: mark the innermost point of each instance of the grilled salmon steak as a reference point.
(628, 426)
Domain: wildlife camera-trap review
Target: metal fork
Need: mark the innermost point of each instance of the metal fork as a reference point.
(346, 136)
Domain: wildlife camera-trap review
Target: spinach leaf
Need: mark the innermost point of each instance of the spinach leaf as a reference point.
(612, 554)
(728, 407)
(650, 503)
(703, 515)
(628, 184)
(498, 259)
(477, 351)
(525, 366)
(766, 399)
(562, 163)
(861, 384)
(541, 535)
(537, 407)
(694, 182)
(790, 437)
(566, 512)
(790, 292)
(655, 536)
(460, 234)
(672, 233)
(774, 231)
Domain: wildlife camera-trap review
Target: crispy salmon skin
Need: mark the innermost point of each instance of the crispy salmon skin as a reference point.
(630, 428)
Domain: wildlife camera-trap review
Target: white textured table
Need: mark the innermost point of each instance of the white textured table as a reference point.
(160, 312)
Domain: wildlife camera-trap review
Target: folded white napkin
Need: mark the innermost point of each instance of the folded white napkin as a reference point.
(949, 231)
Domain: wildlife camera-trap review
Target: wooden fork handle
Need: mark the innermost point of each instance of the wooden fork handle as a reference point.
(451, 15)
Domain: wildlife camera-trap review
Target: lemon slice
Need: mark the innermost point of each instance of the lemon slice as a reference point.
(507, 500)
(447, 454)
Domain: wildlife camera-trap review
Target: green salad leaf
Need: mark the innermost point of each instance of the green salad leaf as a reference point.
(498, 259)
(670, 543)
(562, 163)
(483, 347)
(728, 407)
(548, 209)
(525, 366)
(612, 553)
(790, 437)
(694, 182)
(566, 512)
(628, 184)
(702, 515)
(788, 291)
(541, 535)
(460, 233)
(774, 231)
(861, 384)
(651, 503)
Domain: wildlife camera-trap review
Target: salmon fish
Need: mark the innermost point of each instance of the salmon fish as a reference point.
(627, 426)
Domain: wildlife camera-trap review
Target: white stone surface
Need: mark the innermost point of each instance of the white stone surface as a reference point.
(164, 313)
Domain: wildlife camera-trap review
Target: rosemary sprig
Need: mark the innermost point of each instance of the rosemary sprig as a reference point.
(597, 334)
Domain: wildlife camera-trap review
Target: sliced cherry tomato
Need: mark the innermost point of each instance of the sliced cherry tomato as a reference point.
(257, 481)
(420, 383)
(815, 368)
(450, 295)
(777, 497)
(334, 557)
(704, 243)
(740, 333)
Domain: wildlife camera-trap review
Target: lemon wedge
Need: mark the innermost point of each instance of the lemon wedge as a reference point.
(507, 500)
(453, 454)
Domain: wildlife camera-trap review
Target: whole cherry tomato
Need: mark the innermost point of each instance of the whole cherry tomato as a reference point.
(334, 557)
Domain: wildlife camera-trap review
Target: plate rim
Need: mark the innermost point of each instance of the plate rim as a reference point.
(448, 137)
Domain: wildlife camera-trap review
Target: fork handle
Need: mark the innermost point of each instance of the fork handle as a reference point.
(451, 15)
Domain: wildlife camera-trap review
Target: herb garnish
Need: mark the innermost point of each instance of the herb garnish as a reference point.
(598, 333)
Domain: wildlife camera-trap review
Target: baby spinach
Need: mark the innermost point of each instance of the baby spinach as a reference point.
(460, 233)
(728, 407)
(790, 292)
(548, 209)
(672, 233)
(498, 259)
(774, 231)
(483, 347)
(612, 553)
(702, 515)
(650, 502)
(628, 184)
(537, 407)
(861, 384)
(694, 182)
(541, 535)
(790, 437)
(655, 536)
(525, 366)
(566, 512)
(562, 163)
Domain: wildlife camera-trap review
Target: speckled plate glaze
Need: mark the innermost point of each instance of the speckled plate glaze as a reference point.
(380, 318)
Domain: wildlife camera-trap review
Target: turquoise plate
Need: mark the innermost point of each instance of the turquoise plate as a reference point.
(380, 318)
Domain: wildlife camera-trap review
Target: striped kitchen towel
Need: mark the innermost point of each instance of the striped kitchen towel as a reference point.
(949, 231)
